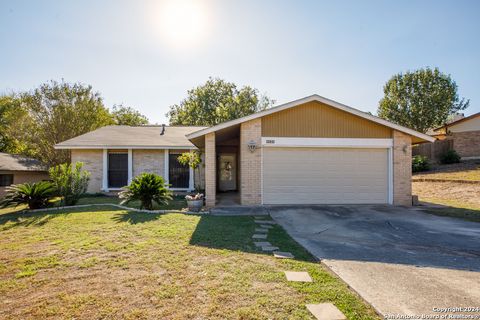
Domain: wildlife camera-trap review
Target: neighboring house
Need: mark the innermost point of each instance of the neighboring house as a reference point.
(465, 134)
(16, 169)
(309, 151)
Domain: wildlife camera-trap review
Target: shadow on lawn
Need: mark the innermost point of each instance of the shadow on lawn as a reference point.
(235, 233)
(134, 217)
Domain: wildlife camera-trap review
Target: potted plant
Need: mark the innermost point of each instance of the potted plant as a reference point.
(194, 202)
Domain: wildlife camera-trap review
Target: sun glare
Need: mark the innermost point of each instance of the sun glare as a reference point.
(182, 23)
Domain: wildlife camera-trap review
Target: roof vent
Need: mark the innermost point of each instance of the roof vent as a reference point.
(163, 130)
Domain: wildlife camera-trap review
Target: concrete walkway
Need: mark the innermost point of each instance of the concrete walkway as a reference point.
(402, 261)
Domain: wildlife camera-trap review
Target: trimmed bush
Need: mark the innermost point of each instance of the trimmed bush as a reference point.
(420, 163)
(451, 156)
(35, 195)
(147, 188)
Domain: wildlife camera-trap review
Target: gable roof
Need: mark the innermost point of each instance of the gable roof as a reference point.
(139, 137)
(451, 124)
(311, 98)
(15, 162)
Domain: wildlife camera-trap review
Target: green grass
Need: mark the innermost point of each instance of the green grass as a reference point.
(454, 209)
(103, 262)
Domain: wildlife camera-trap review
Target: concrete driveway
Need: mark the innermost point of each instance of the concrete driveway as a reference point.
(401, 260)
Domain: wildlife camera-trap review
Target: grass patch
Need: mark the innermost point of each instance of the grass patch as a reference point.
(103, 262)
(454, 209)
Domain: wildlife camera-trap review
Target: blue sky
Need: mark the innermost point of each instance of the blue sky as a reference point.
(343, 50)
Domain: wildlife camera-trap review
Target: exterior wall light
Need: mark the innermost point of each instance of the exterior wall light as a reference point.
(252, 145)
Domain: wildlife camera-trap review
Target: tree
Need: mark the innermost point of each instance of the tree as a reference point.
(59, 111)
(421, 100)
(128, 116)
(147, 188)
(215, 102)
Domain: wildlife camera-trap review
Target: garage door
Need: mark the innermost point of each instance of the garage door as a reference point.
(325, 176)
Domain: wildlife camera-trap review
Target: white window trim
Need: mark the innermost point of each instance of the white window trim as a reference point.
(105, 171)
(130, 166)
(326, 142)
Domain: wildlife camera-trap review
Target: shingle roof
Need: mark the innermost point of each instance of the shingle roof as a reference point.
(14, 162)
(131, 137)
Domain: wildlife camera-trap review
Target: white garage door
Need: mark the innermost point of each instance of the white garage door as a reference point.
(325, 176)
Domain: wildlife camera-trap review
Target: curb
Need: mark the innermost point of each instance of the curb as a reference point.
(116, 206)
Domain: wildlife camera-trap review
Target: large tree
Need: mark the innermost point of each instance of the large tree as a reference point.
(128, 116)
(421, 100)
(217, 101)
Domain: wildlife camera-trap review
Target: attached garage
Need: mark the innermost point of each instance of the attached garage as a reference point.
(304, 175)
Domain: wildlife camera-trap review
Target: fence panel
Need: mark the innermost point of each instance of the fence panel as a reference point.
(433, 150)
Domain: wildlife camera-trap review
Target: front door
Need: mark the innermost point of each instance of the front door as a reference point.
(227, 180)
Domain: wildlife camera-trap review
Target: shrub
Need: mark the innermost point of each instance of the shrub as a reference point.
(420, 163)
(71, 182)
(36, 195)
(148, 188)
(451, 156)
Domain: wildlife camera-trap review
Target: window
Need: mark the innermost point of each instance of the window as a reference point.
(6, 180)
(117, 169)
(178, 175)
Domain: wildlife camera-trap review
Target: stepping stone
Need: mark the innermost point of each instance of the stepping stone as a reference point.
(265, 221)
(283, 255)
(270, 248)
(298, 276)
(259, 236)
(261, 230)
(265, 226)
(263, 244)
(325, 311)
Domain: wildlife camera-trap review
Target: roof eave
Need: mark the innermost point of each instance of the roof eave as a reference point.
(101, 147)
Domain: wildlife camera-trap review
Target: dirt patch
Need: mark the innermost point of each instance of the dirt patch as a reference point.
(466, 170)
(448, 191)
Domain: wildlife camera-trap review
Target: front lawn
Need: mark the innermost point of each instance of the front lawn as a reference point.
(465, 170)
(106, 263)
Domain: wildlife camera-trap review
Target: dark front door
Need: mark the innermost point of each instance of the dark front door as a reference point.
(117, 170)
(179, 175)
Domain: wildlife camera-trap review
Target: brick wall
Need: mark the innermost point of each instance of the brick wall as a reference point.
(402, 169)
(467, 143)
(210, 170)
(93, 163)
(250, 163)
(24, 176)
(150, 161)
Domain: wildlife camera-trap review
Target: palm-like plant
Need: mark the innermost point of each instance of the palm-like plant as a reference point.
(36, 195)
(147, 188)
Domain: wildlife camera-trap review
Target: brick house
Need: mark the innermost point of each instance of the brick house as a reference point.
(308, 151)
(465, 134)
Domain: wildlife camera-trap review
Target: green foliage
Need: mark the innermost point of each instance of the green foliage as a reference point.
(451, 156)
(35, 195)
(420, 163)
(215, 102)
(421, 100)
(147, 187)
(128, 116)
(191, 159)
(71, 182)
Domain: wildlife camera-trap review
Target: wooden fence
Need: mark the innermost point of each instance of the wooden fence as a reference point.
(433, 150)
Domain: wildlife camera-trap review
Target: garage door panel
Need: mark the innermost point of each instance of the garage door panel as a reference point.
(325, 176)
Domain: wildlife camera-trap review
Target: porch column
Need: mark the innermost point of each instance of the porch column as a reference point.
(130, 166)
(166, 159)
(402, 169)
(210, 170)
(105, 171)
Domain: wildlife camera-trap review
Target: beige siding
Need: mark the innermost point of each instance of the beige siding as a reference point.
(148, 161)
(325, 176)
(93, 163)
(314, 119)
(24, 176)
(467, 125)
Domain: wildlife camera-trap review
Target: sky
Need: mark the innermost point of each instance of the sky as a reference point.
(147, 54)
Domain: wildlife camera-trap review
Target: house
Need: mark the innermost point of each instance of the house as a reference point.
(308, 151)
(16, 169)
(465, 134)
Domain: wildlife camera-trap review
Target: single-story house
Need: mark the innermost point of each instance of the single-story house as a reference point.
(308, 151)
(15, 169)
(465, 134)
